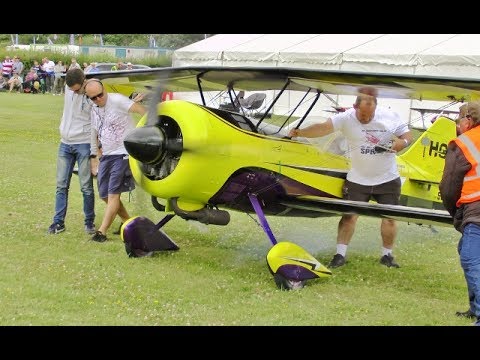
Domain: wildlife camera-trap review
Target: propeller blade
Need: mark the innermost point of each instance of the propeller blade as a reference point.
(152, 116)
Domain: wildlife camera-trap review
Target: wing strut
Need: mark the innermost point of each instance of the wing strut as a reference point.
(199, 83)
(319, 92)
(331, 99)
(273, 103)
(296, 107)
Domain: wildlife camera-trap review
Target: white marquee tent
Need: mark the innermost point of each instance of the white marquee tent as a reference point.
(423, 54)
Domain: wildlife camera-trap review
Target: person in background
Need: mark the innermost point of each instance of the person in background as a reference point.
(15, 82)
(59, 83)
(129, 66)
(74, 64)
(459, 189)
(30, 78)
(374, 135)
(75, 133)
(111, 121)
(3, 83)
(49, 68)
(93, 68)
(17, 67)
(118, 66)
(7, 68)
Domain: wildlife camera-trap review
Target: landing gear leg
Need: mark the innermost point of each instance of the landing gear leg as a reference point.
(281, 281)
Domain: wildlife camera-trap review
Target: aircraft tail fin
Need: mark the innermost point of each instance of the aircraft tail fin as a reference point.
(425, 159)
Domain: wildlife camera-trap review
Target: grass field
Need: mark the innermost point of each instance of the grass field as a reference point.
(219, 276)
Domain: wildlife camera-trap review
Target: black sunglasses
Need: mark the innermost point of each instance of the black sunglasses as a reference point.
(93, 98)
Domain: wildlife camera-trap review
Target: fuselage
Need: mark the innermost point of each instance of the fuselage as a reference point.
(219, 158)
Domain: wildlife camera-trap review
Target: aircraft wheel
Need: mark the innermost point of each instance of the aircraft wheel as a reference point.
(287, 284)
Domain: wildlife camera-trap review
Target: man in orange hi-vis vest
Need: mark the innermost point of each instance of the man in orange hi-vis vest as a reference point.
(460, 190)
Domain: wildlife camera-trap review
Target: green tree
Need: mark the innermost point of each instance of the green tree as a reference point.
(169, 41)
(175, 41)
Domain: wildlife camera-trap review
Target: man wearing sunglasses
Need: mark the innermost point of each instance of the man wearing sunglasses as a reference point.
(111, 121)
(74, 148)
(460, 191)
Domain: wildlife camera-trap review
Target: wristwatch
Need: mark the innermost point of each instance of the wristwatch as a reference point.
(93, 156)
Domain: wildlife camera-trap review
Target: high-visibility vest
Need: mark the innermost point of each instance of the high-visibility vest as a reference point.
(469, 143)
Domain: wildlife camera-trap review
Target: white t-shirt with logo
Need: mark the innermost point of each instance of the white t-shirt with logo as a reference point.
(112, 123)
(369, 167)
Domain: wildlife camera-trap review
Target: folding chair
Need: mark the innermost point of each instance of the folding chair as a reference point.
(252, 103)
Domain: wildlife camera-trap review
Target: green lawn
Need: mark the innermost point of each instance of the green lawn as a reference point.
(219, 276)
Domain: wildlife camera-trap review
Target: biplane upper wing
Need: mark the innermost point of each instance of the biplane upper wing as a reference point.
(202, 160)
(336, 82)
(397, 86)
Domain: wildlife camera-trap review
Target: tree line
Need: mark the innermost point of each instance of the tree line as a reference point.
(168, 41)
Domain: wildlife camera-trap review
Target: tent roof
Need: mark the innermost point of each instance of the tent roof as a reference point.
(394, 49)
(267, 46)
(324, 48)
(461, 49)
(428, 54)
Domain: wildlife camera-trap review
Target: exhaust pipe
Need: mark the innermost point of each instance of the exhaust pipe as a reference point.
(205, 215)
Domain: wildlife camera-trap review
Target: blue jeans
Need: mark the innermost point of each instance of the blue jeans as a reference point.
(68, 155)
(469, 251)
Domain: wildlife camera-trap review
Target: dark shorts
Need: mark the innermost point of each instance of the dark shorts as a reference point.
(114, 175)
(386, 193)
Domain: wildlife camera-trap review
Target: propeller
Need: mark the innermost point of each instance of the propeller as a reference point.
(150, 144)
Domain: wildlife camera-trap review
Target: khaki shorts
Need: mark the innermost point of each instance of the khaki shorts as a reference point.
(386, 193)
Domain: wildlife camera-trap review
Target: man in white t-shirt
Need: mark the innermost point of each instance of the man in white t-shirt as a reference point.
(374, 135)
(111, 121)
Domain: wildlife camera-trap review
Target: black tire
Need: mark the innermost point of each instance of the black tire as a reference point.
(287, 284)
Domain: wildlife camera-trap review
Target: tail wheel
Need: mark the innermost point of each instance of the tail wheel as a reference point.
(287, 284)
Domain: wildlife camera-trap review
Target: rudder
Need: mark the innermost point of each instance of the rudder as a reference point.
(425, 159)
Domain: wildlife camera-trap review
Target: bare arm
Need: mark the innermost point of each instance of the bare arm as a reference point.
(137, 108)
(93, 139)
(139, 97)
(402, 141)
(315, 130)
(95, 151)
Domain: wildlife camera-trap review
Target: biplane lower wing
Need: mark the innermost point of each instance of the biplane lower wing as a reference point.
(395, 212)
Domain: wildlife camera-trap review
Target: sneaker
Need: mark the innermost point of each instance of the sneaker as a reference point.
(119, 230)
(56, 228)
(99, 237)
(389, 261)
(90, 229)
(467, 314)
(337, 261)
